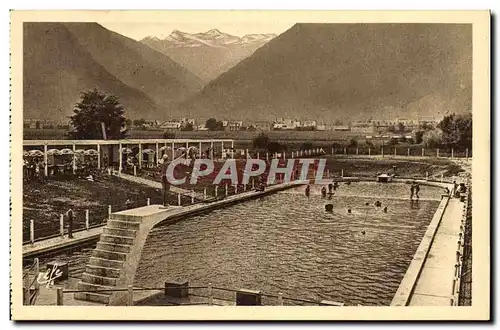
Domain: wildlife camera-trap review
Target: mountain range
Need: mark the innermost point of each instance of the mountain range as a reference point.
(347, 72)
(61, 60)
(207, 54)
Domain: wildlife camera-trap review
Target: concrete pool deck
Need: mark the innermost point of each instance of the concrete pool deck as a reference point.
(430, 277)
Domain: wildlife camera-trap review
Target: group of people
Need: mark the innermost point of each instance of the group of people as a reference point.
(324, 192)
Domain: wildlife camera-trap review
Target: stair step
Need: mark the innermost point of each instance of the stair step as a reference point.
(110, 255)
(120, 232)
(120, 224)
(102, 271)
(116, 239)
(92, 296)
(103, 262)
(125, 217)
(100, 280)
(113, 247)
(90, 287)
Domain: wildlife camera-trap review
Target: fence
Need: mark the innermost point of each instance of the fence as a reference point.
(404, 151)
(461, 291)
(183, 294)
(465, 288)
(31, 287)
(83, 219)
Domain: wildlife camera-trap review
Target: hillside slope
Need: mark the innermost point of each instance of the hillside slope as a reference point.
(348, 72)
(63, 59)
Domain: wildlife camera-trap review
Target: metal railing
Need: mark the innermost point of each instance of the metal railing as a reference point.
(463, 265)
(210, 295)
(31, 287)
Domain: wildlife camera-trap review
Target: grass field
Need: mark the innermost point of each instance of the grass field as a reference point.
(45, 202)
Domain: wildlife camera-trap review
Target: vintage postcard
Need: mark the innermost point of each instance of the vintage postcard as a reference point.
(250, 165)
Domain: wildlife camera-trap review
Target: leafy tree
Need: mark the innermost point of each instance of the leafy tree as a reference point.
(353, 143)
(251, 128)
(139, 122)
(401, 127)
(391, 129)
(457, 130)
(93, 109)
(306, 146)
(369, 143)
(261, 141)
(274, 146)
(433, 139)
(418, 137)
(37, 124)
(392, 142)
(187, 128)
(128, 122)
(213, 124)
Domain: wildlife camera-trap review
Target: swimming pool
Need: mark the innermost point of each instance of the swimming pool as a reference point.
(287, 243)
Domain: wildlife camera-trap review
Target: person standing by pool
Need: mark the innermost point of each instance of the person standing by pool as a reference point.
(417, 190)
(164, 180)
(412, 190)
(308, 190)
(323, 192)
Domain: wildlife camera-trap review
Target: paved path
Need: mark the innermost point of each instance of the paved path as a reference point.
(61, 241)
(157, 185)
(435, 283)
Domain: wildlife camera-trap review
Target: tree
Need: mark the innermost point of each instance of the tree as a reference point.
(213, 124)
(261, 141)
(275, 147)
(93, 109)
(418, 137)
(37, 124)
(139, 122)
(401, 127)
(187, 128)
(433, 139)
(392, 142)
(391, 129)
(353, 143)
(306, 146)
(457, 130)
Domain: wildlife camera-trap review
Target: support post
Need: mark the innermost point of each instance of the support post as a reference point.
(394, 151)
(226, 190)
(205, 193)
(267, 156)
(408, 152)
(423, 152)
(466, 153)
(192, 196)
(74, 158)
(109, 211)
(199, 150)
(451, 152)
(87, 220)
(253, 183)
(70, 224)
(135, 170)
(120, 158)
(179, 199)
(382, 151)
(98, 156)
(156, 154)
(210, 295)
(37, 271)
(235, 188)
(280, 299)
(332, 151)
(357, 151)
(437, 153)
(61, 224)
(342, 173)
(232, 149)
(140, 155)
(216, 191)
(258, 155)
(130, 295)
(173, 151)
(222, 146)
(60, 297)
(45, 161)
(148, 201)
(32, 231)
(369, 151)
(345, 151)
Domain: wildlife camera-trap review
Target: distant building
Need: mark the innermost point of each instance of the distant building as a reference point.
(363, 127)
(309, 123)
(234, 125)
(171, 125)
(285, 124)
(260, 125)
(341, 128)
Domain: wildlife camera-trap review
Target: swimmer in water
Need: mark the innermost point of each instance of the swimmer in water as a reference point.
(378, 204)
(363, 232)
(385, 209)
(330, 188)
(308, 190)
(323, 192)
(367, 204)
(349, 211)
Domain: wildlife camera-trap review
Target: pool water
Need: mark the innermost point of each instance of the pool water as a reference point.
(287, 243)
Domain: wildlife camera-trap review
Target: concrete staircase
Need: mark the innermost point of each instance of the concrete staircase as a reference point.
(106, 262)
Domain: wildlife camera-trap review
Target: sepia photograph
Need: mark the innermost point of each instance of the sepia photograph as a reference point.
(211, 160)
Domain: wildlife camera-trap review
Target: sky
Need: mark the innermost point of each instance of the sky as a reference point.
(138, 31)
